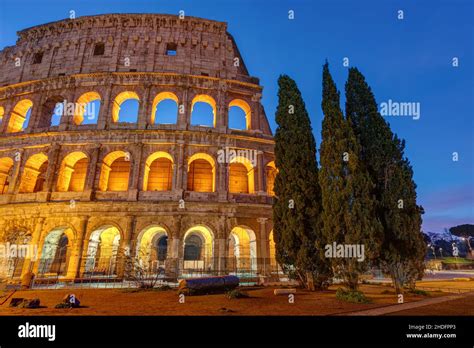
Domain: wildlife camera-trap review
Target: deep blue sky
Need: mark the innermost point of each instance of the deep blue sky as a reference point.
(405, 60)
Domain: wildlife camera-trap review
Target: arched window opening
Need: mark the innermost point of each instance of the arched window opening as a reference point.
(115, 172)
(203, 111)
(34, 174)
(165, 109)
(238, 180)
(160, 175)
(239, 114)
(192, 248)
(86, 109)
(271, 173)
(102, 251)
(125, 107)
(200, 176)
(20, 116)
(73, 172)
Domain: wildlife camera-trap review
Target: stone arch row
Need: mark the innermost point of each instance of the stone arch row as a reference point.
(87, 108)
(101, 251)
(159, 172)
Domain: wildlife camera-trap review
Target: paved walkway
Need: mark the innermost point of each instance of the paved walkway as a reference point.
(408, 305)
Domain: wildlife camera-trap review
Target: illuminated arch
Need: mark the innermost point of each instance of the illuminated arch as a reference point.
(245, 107)
(55, 252)
(152, 247)
(243, 249)
(241, 175)
(158, 174)
(201, 173)
(19, 115)
(198, 255)
(102, 251)
(2, 113)
(204, 98)
(270, 173)
(158, 99)
(81, 106)
(6, 166)
(34, 174)
(73, 172)
(115, 172)
(119, 99)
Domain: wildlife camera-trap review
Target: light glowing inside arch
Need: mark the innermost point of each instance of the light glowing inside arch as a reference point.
(271, 172)
(102, 250)
(206, 246)
(55, 252)
(238, 176)
(272, 249)
(243, 248)
(73, 172)
(158, 174)
(149, 246)
(34, 174)
(201, 179)
(115, 172)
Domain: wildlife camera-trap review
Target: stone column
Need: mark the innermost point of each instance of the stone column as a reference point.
(145, 108)
(264, 264)
(124, 246)
(32, 261)
(260, 173)
(181, 168)
(53, 159)
(135, 172)
(73, 269)
(184, 119)
(16, 172)
(91, 174)
(105, 114)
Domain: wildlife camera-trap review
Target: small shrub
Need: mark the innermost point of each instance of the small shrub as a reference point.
(236, 293)
(419, 292)
(351, 296)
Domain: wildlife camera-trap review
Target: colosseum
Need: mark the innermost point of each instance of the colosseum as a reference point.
(82, 179)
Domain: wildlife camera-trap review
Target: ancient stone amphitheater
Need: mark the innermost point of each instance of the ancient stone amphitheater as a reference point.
(87, 188)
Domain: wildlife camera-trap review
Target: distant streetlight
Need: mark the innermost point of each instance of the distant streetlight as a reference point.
(441, 251)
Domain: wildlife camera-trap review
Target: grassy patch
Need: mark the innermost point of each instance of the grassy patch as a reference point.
(456, 260)
(351, 296)
(419, 292)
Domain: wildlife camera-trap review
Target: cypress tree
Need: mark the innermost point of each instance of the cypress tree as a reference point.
(348, 203)
(402, 250)
(297, 207)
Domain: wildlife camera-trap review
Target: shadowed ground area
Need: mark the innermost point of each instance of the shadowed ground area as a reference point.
(262, 301)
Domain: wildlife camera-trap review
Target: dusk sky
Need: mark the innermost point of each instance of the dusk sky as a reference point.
(407, 60)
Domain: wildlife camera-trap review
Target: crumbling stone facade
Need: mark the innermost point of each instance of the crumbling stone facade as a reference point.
(64, 179)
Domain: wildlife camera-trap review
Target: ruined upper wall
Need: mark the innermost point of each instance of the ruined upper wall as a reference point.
(132, 42)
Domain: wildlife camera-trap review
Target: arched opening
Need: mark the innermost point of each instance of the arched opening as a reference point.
(241, 176)
(125, 107)
(34, 174)
(242, 250)
(55, 253)
(158, 174)
(152, 249)
(86, 109)
(239, 114)
(6, 167)
(270, 173)
(102, 251)
(198, 248)
(164, 109)
(73, 172)
(203, 111)
(115, 172)
(51, 112)
(20, 116)
(201, 173)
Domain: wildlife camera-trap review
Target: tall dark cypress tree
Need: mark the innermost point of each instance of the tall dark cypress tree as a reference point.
(297, 208)
(383, 153)
(348, 203)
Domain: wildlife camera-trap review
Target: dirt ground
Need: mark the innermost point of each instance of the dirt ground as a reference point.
(262, 301)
